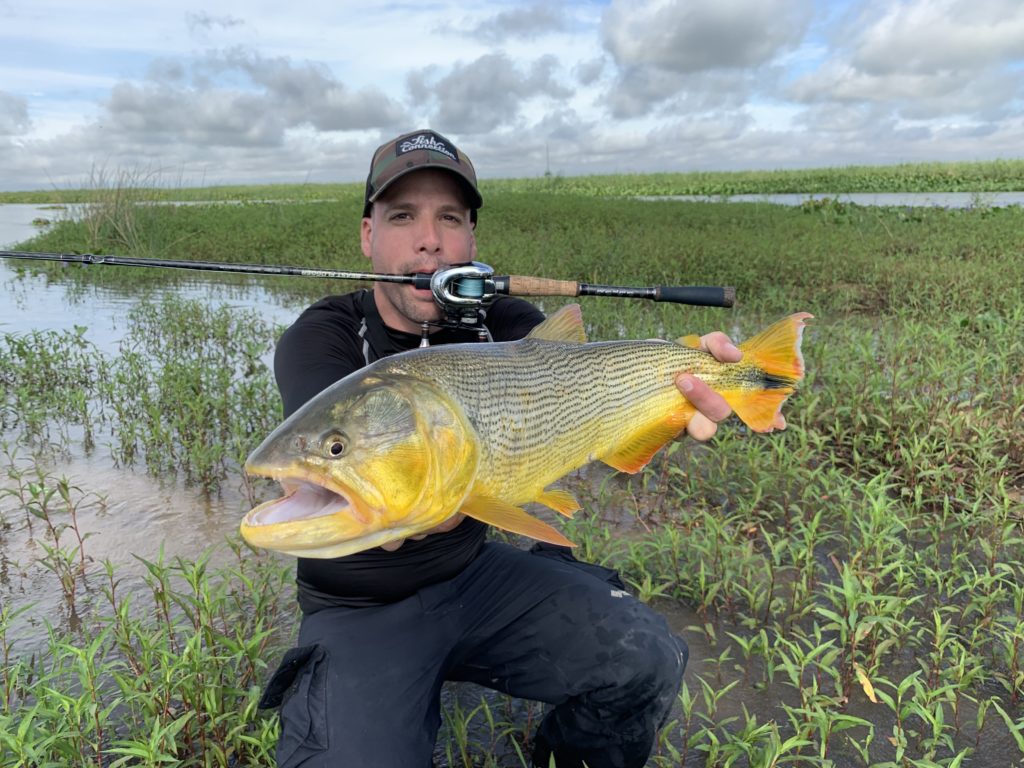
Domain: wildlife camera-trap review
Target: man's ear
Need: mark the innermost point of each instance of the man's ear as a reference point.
(366, 234)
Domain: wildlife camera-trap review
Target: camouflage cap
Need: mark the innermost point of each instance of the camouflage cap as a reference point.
(412, 152)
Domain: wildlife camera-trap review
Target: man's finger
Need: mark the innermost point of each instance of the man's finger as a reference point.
(701, 428)
(721, 347)
(706, 400)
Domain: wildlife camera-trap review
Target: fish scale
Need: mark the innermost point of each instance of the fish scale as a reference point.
(551, 392)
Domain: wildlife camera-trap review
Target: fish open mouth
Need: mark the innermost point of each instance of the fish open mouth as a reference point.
(302, 501)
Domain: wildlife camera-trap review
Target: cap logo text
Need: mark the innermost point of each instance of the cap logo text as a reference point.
(426, 141)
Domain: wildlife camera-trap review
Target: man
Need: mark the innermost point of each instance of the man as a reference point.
(383, 629)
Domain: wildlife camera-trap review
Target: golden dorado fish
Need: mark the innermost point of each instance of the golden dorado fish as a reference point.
(398, 447)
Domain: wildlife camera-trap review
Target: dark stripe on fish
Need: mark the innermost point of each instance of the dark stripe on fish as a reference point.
(771, 381)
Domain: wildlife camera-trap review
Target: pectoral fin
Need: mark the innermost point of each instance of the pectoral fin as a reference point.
(503, 515)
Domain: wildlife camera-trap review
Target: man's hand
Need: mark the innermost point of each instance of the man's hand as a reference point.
(711, 406)
(444, 527)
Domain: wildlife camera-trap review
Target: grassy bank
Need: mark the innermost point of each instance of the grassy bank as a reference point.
(851, 586)
(988, 176)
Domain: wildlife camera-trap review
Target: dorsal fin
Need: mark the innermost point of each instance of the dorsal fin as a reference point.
(565, 325)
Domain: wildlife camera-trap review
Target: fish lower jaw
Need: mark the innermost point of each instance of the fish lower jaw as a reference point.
(324, 536)
(349, 547)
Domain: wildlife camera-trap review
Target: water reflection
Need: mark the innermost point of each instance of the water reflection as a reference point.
(17, 221)
(32, 302)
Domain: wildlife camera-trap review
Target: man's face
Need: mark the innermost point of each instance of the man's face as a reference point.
(420, 224)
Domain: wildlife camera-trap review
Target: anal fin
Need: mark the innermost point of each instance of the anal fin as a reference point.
(563, 502)
(503, 515)
(635, 453)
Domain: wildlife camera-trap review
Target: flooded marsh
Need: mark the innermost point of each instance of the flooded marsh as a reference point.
(850, 588)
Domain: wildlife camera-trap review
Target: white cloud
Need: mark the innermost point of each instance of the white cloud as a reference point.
(527, 22)
(201, 23)
(702, 54)
(13, 115)
(248, 92)
(266, 97)
(485, 94)
(926, 59)
(929, 37)
(688, 36)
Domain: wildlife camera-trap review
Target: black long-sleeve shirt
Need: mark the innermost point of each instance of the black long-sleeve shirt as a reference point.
(331, 339)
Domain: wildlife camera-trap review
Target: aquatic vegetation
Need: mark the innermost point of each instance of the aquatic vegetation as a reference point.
(189, 391)
(850, 588)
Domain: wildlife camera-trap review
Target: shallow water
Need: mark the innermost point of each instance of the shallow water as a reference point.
(126, 512)
(882, 199)
(122, 513)
(16, 222)
(35, 302)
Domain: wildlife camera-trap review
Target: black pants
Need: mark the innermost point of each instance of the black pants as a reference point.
(363, 686)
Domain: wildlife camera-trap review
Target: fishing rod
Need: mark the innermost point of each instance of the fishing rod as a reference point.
(461, 290)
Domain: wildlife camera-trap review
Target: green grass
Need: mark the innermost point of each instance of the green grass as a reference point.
(993, 176)
(852, 583)
(984, 176)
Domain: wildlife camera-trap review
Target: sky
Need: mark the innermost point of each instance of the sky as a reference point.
(182, 94)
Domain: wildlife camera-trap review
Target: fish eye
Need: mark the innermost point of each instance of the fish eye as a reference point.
(334, 445)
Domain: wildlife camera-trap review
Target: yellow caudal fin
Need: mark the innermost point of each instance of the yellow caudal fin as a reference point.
(503, 515)
(565, 325)
(562, 502)
(775, 353)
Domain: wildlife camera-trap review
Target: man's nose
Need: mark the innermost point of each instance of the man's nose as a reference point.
(429, 236)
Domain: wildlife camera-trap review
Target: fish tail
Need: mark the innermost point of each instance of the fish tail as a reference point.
(775, 355)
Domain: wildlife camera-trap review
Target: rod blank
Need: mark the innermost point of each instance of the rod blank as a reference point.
(206, 266)
(512, 285)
